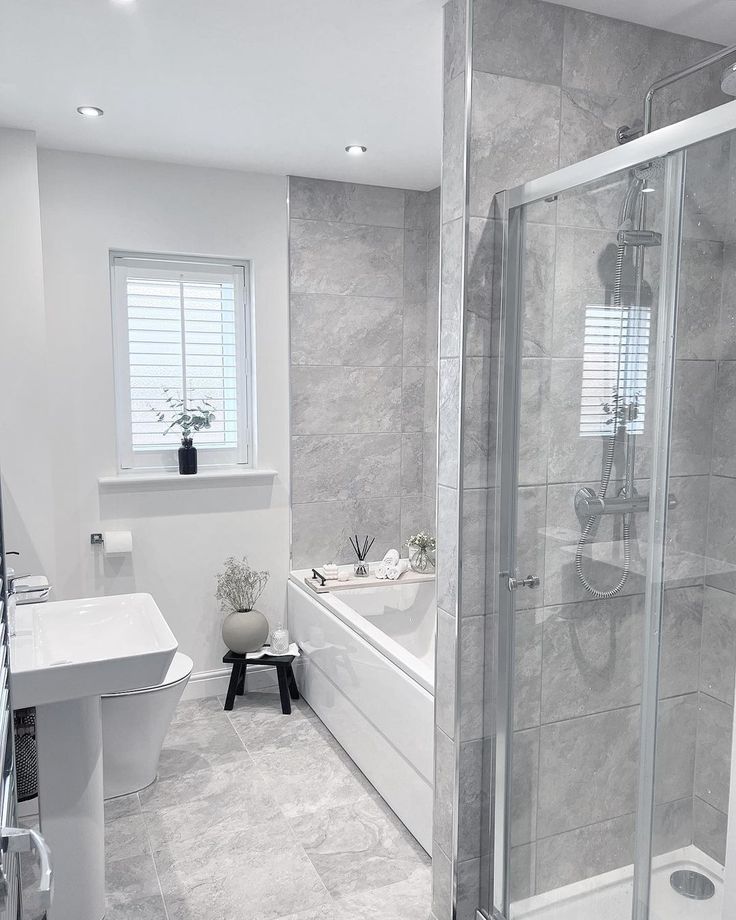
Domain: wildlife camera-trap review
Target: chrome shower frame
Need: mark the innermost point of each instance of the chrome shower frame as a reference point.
(670, 144)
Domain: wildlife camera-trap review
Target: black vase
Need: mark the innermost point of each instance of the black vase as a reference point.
(187, 457)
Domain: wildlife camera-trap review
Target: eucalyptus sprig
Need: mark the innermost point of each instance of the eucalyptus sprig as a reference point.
(198, 417)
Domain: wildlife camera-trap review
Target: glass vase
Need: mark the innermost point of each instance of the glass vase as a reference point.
(421, 559)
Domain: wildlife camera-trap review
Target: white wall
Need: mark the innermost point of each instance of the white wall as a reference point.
(181, 533)
(24, 427)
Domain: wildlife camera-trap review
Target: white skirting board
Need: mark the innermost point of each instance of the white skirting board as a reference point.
(214, 683)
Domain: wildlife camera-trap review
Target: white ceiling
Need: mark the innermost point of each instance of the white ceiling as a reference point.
(278, 86)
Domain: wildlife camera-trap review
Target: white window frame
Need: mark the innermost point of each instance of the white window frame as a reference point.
(195, 268)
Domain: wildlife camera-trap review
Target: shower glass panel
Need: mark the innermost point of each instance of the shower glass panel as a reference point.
(586, 339)
(615, 540)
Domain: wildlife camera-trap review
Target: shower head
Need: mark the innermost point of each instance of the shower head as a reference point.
(728, 80)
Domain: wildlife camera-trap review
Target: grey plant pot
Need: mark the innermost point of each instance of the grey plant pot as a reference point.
(245, 631)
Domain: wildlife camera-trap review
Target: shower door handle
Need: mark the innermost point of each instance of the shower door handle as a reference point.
(531, 581)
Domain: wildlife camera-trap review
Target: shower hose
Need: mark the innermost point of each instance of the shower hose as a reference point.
(610, 451)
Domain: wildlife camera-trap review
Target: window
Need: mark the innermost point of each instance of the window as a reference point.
(182, 331)
(615, 359)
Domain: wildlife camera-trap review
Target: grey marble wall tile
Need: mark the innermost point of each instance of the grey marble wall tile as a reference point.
(412, 399)
(585, 267)
(724, 431)
(520, 118)
(584, 852)
(718, 654)
(340, 467)
(539, 276)
(468, 889)
(421, 209)
(342, 329)
(621, 55)
(445, 673)
(721, 548)
(528, 625)
(570, 455)
(592, 658)
(524, 785)
(449, 417)
(429, 451)
(588, 770)
(454, 34)
(710, 829)
(693, 412)
(530, 549)
(452, 286)
(447, 534)
(415, 266)
(470, 806)
(334, 258)
(444, 786)
(442, 894)
(590, 116)
(676, 734)
(686, 526)
(478, 509)
(344, 400)
(522, 871)
(319, 529)
(414, 331)
(453, 150)
(682, 622)
(412, 463)
(673, 826)
(483, 301)
(699, 298)
(472, 646)
(520, 38)
(323, 199)
(479, 422)
(417, 513)
(706, 206)
(727, 324)
(534, 423)
(713, 754)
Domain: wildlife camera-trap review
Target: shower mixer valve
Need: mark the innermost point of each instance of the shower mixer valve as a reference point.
(588, 504)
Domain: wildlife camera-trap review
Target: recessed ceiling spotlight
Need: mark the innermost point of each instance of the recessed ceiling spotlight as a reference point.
(90, 111)
(356, 150)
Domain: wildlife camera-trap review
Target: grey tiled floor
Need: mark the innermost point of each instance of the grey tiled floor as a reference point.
(259, 816)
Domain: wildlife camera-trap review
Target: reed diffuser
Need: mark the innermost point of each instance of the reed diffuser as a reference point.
(362, 567)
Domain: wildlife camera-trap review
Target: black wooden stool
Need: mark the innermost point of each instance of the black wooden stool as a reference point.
(287, 683)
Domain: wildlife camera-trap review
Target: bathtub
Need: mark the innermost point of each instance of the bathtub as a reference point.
(367, 670)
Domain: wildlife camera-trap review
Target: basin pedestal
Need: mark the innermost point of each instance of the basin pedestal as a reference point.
(71, 805)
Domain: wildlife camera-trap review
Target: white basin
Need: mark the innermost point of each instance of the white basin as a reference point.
(66, 650)
(63, 657)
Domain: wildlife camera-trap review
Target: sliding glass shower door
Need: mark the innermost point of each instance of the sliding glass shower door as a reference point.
(615, 537)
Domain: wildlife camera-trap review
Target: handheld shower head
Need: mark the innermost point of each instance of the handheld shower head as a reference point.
(728, 80)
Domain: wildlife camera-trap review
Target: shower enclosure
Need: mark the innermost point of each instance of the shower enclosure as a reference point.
(612, 537)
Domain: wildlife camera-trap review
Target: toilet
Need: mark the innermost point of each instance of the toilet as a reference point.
(134, 725)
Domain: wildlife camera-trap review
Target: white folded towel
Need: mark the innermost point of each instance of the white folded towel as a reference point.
(381, 569)
(394, 571)
(266, 650)
(390, 559)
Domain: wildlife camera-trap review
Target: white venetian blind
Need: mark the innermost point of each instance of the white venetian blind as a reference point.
(615, 362)
(184, 330)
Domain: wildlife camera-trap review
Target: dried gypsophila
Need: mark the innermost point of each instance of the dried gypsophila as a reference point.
(239, 586)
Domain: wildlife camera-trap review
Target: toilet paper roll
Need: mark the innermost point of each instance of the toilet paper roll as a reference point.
(117, 542)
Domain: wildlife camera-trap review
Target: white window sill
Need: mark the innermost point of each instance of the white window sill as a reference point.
(172, 479)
